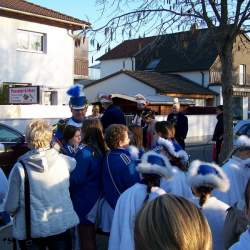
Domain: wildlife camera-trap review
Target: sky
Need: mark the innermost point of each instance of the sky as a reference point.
(83, 9)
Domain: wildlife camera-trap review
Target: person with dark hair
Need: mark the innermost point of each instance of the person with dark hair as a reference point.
(203, 178)
(112, 114)
(168, 146)
(85, 181)
(171, 222)
(152, 167)
(119, 171)
(218, 132)
(71, 140)
(180, 121)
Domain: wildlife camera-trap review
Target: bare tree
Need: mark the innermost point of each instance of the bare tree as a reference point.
(226, 19)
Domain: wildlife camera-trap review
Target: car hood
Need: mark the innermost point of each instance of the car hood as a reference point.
(40, 160)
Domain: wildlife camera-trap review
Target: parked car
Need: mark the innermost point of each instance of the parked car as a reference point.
(242, 128)
(12, 145)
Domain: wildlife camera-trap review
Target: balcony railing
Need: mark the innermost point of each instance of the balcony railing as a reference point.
(81, 67)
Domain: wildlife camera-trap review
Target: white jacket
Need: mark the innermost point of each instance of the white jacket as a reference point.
(51, 207)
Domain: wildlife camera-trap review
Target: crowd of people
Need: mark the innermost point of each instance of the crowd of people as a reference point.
(133, 184)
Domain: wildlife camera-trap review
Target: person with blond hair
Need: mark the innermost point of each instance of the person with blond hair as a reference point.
(51, 210)
(203, 178)
(171, 223)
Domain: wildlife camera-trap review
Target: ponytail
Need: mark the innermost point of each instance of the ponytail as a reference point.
(151, 180)
(203, 192)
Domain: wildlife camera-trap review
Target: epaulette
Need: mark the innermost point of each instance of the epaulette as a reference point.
(125, 158)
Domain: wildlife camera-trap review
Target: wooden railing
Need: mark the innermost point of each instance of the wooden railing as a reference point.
(81, 67)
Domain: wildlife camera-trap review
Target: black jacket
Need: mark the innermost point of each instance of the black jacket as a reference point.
(181, 124)
(219, 129)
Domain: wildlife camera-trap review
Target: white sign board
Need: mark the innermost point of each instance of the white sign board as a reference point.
(24, 95)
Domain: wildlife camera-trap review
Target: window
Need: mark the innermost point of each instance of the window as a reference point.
(9, 135)
(242, 74)
(30, 41)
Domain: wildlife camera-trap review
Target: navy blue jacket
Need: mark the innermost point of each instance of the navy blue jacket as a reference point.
(112, 115)
(123, 172)
(180, 122)
(85, 182)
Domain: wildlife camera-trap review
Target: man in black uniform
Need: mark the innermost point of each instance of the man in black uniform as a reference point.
(180, 122)
(218, 132)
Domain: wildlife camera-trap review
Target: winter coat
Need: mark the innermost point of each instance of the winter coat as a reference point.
(51, 207)
(219, 129)
(180, 122)
(112, 115)
(118, 174)
(215, 212)
(85, 182)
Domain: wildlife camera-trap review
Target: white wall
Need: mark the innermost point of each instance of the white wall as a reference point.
(196, 76)
(109, 67)
(199, 126)
(122, 84)
(54, 68)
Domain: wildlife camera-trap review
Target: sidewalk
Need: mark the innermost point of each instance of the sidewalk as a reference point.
(199, 140)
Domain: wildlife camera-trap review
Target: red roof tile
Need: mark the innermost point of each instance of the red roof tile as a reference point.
(30, 8)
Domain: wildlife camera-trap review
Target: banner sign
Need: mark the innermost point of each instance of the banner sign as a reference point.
(24, 95)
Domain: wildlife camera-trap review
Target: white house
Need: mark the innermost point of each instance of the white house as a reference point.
(191, 55)
(37, 48)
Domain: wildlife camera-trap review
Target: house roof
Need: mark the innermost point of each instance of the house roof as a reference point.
(178, 52)
(25, 8)
(164, 83)
(127, 48)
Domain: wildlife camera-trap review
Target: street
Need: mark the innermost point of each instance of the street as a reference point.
(200, 151)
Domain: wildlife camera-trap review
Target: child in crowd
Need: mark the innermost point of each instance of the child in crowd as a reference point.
(71, 140)
(4, 217)
(152, 167)
(136, 138)
(167, 145)
(171, 222)
(203, 177)
(85, 181)
(237, 168)
(119, 171)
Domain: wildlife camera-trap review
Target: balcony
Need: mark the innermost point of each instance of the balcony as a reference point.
(80, 68)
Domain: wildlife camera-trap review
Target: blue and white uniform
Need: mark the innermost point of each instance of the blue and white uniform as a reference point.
(119, 174)
(132, 200)
(85, 183)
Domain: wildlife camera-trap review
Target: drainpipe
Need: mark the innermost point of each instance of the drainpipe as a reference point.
(133, 66)
(202, 78)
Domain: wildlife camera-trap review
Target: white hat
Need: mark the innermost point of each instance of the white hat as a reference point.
(172, 150)
(105, 98)
(140, 99)
(242, 141)
(207, 174)
(153, 163)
